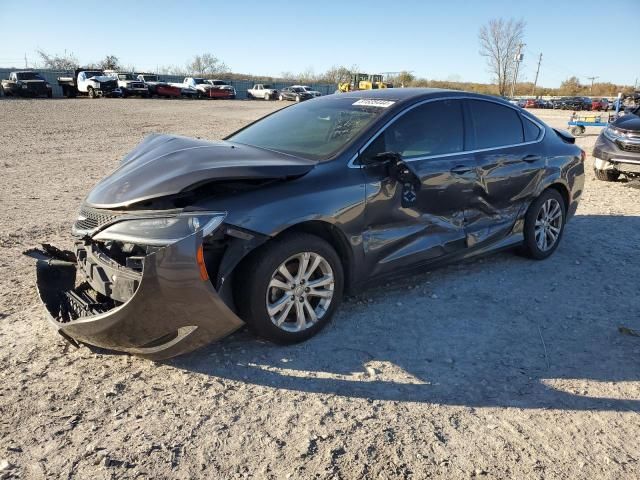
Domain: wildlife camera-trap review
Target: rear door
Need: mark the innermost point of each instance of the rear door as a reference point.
(409, 225)
(510, 166)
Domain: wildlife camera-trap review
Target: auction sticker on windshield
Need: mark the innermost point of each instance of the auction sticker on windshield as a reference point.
(370, 102)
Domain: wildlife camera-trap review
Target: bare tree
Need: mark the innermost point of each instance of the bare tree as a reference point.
(405, 79)
(338, 74)
(206, 64)
(58, 62)
(571, 86)
(110, 62)
(499, 41)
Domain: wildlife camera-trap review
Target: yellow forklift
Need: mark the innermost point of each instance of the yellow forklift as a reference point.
(364, 81)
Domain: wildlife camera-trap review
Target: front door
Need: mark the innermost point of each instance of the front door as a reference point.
(412, 224)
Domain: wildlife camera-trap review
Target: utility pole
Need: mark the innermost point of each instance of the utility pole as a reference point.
(592, 79)
(535, 82)
(517, 59)
(25, 61)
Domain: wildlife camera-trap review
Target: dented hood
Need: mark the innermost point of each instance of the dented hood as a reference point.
(168, 164)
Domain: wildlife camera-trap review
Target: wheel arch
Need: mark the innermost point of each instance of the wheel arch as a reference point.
(563, 190)
(334, 237)
(324, 230)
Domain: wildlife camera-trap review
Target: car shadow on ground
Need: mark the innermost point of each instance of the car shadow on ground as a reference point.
(501, 331)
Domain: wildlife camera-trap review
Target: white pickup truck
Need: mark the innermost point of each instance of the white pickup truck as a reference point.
(93, 83)
(201, 86)
(262, 90)
(129, 85)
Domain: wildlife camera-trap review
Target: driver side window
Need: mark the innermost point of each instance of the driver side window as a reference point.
(435, 128)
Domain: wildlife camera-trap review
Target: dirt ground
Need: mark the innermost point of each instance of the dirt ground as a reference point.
(497, 368)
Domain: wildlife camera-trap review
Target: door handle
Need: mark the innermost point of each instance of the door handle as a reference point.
(531, 158)
(460, 170)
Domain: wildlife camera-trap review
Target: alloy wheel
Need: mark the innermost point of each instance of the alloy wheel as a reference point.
(548, 224)
(300, 292)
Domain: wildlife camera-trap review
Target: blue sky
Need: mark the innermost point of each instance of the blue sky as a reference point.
(437, 40)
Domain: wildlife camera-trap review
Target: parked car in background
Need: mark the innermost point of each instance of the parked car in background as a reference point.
(129, 84)
(297, 94)
(521, 103)
(158, 88)
(617, 148)
(190, 239)
(89, 82)
(530, 103)
(573, 103)
(201, 86)
(26, 83)
(600, 104)
(541, 103)
(221, 89)
(264, 91)
(308, 89)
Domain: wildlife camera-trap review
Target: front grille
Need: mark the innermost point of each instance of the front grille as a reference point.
(137, 85)
(37, 87)
(629, 147)
(92, 218)
(109, 85)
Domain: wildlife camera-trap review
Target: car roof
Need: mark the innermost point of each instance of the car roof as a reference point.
(403, 96)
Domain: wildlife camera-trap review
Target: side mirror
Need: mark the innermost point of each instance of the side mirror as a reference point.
(381, 158)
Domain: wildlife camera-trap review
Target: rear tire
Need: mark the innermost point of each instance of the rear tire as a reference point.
(544, 225)
(606, 175)
(256, 294)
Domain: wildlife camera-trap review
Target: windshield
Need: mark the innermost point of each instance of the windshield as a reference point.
(28, 76)
(150, 78)
(317, 129)
(199, 81)
(218, 82)
(126, 76)
(93, 74)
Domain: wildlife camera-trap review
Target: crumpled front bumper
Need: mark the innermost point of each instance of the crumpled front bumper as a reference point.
(172, 311)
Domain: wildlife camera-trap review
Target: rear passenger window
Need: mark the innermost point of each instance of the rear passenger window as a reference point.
(435, 128)
(495, 125)
(531, 130)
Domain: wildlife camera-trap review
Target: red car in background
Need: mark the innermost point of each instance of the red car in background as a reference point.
(600, 104)
(530, 103)
(221, 89)
(158, 88)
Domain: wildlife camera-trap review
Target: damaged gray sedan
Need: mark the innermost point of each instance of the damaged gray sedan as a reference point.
(188, 240)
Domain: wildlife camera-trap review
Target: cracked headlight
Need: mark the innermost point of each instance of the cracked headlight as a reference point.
(160, 230)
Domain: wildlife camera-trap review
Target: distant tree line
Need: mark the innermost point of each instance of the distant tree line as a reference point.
(209, 66)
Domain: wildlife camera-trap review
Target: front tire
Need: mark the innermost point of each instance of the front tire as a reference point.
(289, 290)
(544, 225)
(91, 92)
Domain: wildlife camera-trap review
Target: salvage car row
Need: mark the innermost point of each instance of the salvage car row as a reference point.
(567, 103)
(95, 83)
